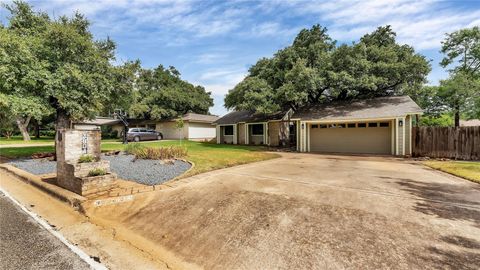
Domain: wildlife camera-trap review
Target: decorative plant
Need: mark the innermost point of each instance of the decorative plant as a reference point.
(97, 172)
(179, 125)
(162, 153)
(133, 148)
(86, 159)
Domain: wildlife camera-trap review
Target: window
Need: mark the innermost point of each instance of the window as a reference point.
(351, 125)
(362, 125)
(372, 124)
(143, 130)
(228, 130)
(314, 126)
(257, 129)
(323, 126)
(151, 126)
(337, 126)
(384, 124)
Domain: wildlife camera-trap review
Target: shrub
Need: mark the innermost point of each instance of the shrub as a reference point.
(86, 159)
(133, 148)
(97, 172)
(161, 153)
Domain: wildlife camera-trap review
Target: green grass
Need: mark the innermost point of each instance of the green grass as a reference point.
(33, 140)
(206, 156)
(19, 140)
(466, 169)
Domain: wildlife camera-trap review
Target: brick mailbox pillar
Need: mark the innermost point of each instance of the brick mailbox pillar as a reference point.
(71, 144)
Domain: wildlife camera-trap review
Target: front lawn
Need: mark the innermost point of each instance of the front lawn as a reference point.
(19, 140)
(466, 169)
(43, 139)
(206, 156)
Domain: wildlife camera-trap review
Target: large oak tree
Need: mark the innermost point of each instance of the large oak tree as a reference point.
(315, 69)
(57, 65)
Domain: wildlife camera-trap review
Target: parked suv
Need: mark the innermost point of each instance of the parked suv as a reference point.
(143, 134)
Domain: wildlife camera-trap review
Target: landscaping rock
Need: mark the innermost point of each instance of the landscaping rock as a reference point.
(143, 171)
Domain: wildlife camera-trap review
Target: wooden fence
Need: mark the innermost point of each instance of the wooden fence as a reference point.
(446, 142)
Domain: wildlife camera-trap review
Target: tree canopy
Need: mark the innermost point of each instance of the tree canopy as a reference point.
(161, 93)
(56, 66)
(314, 69)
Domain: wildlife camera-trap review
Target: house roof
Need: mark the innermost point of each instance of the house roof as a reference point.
(204, 118)
(470, 123)
(99, 121)
(382, 107)
(248, 117)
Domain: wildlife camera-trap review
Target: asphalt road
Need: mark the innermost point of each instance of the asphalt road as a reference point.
(24, 244)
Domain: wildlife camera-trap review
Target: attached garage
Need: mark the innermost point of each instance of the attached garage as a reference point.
(362, 137)
(371, 126)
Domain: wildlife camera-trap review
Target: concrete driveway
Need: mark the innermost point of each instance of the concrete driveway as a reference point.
(306, 211)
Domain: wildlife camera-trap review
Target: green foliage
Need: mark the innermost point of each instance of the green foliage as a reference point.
(56, 64)
(462, 47)
(161, 153)
(86, 159)
(460, 92)
(97, 172)
(179, 124)
(163, 94)
(314, 69)
(133, 148)
(443, 120)
(143, 152)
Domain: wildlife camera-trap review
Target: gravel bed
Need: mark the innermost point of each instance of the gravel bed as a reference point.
(143, 171)
(35, 166)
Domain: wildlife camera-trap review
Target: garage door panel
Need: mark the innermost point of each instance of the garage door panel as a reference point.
(371, 140)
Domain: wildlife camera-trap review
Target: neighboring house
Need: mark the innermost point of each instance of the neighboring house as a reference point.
(371, 126)
(196, 127)
(470, 123)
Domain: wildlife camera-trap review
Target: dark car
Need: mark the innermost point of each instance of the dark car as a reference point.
(143, 134)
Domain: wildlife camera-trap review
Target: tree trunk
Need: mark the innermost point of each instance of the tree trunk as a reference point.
(457, 116)
(37, 129)
(62, 122)
(22, 126)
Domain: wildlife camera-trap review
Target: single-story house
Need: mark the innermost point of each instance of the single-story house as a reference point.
(371, 126)
(197, 127)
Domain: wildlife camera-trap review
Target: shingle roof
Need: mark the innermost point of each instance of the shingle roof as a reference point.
(382, 107)
(195, 117)
(99, 121)
(247, 117)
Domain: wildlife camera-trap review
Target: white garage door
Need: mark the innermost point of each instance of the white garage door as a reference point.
(358, 138)
(201, 131)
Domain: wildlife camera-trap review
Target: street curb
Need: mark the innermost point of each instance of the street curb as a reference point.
(44, 224)
(64, 195)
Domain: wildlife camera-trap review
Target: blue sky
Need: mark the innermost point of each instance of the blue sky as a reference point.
(213, 43)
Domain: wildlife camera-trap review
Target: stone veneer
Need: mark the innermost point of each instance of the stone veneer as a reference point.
(71, 175)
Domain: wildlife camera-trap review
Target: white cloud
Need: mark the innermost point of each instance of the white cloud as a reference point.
(220, 81)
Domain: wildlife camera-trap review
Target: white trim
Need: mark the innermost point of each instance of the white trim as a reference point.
(308, 137)
(351, 120)
(396, 137)
(235, 136)
(297, 135)
(46, 226)
(403, 141)
(246, 132)
(392, 122)
(410, 135)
